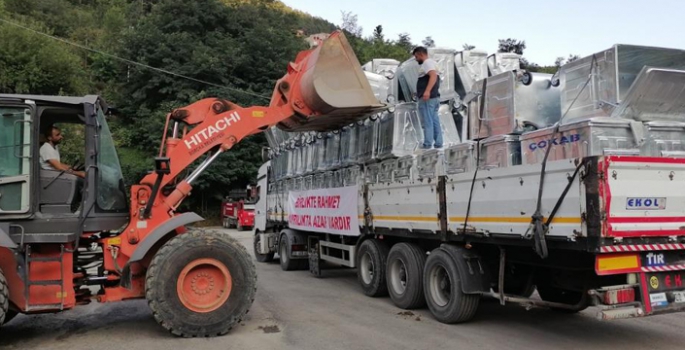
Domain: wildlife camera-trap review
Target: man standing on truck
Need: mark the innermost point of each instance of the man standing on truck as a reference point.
(427, 91)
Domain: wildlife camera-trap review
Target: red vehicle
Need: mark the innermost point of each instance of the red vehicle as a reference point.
(238, 212)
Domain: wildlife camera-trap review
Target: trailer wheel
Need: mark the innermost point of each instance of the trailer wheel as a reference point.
(405, 275)
(371, 259)
(257, 240)
(4, 300)
(443, 289)
(200, 284)
(288, 264)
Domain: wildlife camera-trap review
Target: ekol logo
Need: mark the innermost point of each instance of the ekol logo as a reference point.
(206, 133)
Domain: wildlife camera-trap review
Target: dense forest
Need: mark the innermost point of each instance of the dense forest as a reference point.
(235, 49)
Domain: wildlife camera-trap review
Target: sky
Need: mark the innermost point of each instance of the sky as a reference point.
(550, 28)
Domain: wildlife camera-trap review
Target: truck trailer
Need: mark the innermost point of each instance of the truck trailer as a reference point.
(571, 185)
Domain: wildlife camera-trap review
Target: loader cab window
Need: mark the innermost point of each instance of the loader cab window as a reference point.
(15, 159)
(111, 194)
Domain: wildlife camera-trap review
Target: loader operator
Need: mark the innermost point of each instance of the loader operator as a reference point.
(427, 91)
(49, 153)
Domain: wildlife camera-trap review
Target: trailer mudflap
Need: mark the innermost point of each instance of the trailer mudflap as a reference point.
(643, 196)
(477, 277)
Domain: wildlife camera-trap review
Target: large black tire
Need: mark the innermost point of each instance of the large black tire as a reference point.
(172, 269)
(404, 273)
(442, 285)
(288, 264)
(4, 299)
(260, 257)
(371, 259)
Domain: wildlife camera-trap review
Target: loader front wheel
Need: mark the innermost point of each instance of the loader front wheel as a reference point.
(4, 300)
(200, 284)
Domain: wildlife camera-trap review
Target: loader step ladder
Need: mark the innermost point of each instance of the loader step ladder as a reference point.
(28, 282)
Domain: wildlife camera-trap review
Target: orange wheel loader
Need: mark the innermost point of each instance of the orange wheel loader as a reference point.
(67, 240)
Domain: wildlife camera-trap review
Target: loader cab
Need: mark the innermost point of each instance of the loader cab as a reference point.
(52, 206)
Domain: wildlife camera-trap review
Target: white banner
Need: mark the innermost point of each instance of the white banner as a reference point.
(330, 210)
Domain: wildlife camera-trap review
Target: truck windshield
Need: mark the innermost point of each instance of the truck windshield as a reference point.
(110, 189)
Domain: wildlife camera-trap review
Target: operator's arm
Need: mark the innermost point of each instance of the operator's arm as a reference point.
(63, 167)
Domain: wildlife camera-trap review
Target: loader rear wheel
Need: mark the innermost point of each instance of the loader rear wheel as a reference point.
(200, 284)
(442, 284)
(4, 300)
(405, 275)
(371, 259)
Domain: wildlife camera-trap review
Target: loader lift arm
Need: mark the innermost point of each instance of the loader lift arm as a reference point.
(323, 89)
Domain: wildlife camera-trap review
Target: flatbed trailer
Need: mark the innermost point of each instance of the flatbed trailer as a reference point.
(610, 233)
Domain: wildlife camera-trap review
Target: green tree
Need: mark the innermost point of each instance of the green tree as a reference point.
(428, 42)
(511, 45)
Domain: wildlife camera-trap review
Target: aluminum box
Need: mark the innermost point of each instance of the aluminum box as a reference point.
(472, 66)
(511, 106)
(461, 158)
(430, 163)
(656, 95)
(450, 134)
(398, 133)
(583, 138)
(664, 139)
(500, 151)
(615, 71)
(501, 62)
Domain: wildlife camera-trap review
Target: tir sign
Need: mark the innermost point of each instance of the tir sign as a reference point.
(646, 203)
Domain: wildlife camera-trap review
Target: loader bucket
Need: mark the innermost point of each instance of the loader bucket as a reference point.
(329, 89)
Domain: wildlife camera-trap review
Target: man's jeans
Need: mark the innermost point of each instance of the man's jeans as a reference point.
(432, 132)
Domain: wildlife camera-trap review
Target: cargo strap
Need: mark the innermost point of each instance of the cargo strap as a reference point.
(538, 227)
(475, 173)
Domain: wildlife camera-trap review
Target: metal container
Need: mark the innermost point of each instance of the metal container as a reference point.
(461, 158)
(387, 168)
(514, 102)
(615, 71)
(472, 66)
(318, 181)
(430, 163)
(332, 143)
(310, 158)
(501, 62)
(399, 133)
(380, 65)
(408, 74)
(380, 85)
(319, 155)
(328, 179)
(352, 175)
(307, 182)
(405, 168)
(450, 134)
(500, 151)
(583, 138)
(366, 138)
(664, 139)
(386, 67)
(371, 172)
(348, 145)
(656, 95)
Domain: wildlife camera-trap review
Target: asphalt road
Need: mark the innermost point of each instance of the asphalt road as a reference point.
(293, 310)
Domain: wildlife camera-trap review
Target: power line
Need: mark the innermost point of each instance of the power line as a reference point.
(130, 61)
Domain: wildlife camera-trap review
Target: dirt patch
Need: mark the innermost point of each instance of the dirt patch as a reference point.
(405, 313)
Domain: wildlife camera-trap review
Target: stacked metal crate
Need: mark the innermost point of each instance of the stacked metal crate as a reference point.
(628, 107)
